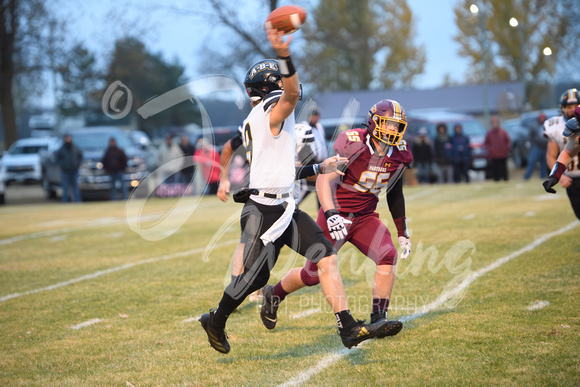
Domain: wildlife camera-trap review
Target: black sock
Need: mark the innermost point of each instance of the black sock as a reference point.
(344, 320)
(226, 306)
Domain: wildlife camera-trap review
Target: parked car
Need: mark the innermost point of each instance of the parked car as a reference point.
(519, 132)
(21, 163)
(93, 180)
(472, 128)
(520, 137)
(217, 135)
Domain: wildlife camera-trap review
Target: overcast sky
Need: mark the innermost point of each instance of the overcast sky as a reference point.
(99, 23)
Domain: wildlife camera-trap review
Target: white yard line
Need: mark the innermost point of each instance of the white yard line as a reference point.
(538, 305)
(101, 222)
(86, 324)
(114, 270)
(305, 313)
(333, 357)
(421, 194)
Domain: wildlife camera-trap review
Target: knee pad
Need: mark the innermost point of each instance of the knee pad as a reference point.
(309, 276)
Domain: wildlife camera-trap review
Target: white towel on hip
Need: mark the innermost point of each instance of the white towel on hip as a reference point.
(277, 229)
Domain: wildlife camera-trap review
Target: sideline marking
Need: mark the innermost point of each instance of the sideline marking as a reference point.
(86, 323)
(333, 357)
(114, 270)
(538, 305)
(305, 313)
(101, 222)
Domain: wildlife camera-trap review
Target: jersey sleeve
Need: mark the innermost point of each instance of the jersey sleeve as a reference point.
(349, 143)
(405, 154)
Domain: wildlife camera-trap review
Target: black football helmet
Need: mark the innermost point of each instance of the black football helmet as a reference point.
(569, 97)
(262, 78)
(387, 122)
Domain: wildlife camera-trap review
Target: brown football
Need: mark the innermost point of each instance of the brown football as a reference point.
(288, 19)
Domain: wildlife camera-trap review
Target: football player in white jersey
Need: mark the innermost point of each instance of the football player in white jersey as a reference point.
(565, 168)
(234, 146)
(270, 218)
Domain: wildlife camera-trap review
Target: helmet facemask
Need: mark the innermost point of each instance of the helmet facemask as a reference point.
(389, 130)
(387, 122)
(570, 97)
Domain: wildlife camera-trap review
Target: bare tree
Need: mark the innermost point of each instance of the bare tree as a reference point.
(30, 37)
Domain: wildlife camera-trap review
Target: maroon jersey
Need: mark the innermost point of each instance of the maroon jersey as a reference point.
(366, 173)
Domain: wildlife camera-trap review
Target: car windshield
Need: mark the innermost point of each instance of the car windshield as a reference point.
(99, 140)
(27, 149)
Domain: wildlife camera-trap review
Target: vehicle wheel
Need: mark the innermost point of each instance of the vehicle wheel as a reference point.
(49, 193)
(2, 201)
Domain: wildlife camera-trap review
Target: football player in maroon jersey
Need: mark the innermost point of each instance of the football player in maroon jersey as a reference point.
(377, 157)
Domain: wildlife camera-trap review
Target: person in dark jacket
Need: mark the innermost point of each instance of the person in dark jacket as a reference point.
(188, 168)
(442, 150)
(460, 154)
(539, 147)
(69, 158)
(114, 163)
(498, 144)
(422, 156)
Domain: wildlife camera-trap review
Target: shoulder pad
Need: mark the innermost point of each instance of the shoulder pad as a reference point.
(272, 99)
(350, 142)
(572, 127)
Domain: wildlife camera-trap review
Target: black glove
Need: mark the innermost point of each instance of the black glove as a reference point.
(549, 183)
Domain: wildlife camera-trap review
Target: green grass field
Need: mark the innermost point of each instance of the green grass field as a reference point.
(65, 265)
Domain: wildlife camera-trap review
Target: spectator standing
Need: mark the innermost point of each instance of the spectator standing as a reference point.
(310, 149)
(69, 158)
(114, 163)
(422, 156)
(442, 151)
(209, 159)
(168, 151)
(188, 168)
(460, 154)
(498, 145)
(539, 146)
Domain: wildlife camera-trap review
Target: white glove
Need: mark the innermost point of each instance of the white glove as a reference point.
(406, 246)
(336, 227)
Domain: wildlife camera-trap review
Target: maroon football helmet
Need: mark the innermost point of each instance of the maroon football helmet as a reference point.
(387, 122)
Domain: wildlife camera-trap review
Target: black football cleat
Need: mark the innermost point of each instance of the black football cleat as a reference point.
(361, 332)
(218, 338)
(392, 328)
(269, 310)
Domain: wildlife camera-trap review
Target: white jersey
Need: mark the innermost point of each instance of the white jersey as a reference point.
(271, 157)
(318, 143)
(553, 129)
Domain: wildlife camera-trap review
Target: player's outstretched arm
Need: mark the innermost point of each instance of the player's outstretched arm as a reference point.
(564, 158)
(335, 222)
(225, 160)
(333, 164)
(291, 94)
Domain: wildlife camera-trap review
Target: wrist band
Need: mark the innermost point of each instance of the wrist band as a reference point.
(330, 213)
(401, 224)
(286, 67)
(558, 170)
(316, 169)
